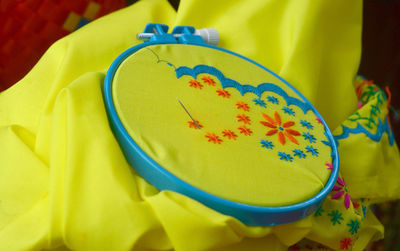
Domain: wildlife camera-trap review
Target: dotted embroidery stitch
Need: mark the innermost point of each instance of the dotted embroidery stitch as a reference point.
(195, 84)
(259, 102)
(354, 226)
(282, 130)
(273, 100)
(312, 150)
(306, 124)
(336, 217)
(309, 137)
(299, 153)
(229, 134)
(243, 118)
(243, 106)
(288, 110)
(213, 138)
(285, 156)
(208, 80)
(267, 144)
(193, 125)
(223, 93)
(244, 130)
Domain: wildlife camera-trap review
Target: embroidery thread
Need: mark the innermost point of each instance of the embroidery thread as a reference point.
(213, 138)
(195, 84)
(229, 134)
(282, 129)
(267, 144)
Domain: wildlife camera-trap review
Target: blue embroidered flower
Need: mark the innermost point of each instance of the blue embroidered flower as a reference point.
(288, 110)
(308, 136)
(306, 124)
(312, 150)
(273, 100)
(336, 217)
(267, 144)
(285, 156)
(259, 102)
(299, 153)
(354, 226)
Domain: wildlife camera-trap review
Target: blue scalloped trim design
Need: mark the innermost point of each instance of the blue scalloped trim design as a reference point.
(382, 128)
(227, 82)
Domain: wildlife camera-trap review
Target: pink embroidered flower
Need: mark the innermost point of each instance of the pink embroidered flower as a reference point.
(329, 165)
(342, 190)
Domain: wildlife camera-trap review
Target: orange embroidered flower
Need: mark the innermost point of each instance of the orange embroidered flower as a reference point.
(229, 134)
(213, 138)
(243, 106)
(208, 80)
(193, 125)
(246, 131)
(195, 84)
(243, 118)
(223, 93)
(282, 129)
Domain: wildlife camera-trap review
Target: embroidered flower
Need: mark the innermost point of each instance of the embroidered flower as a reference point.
(306, 124)
(223, 93)
(336, 217)
(259, 102)
(193, 125)
(319, 212)
(229, 134)
(319, 120)
(341, 190)
(288, 110)
(282, 129)
(244, 130)
(329, 165)
(346, 243)
(243, 106)
(213, 138)
(308, 136)
(208, 80)
(312, 150)
(285, 156)
(354, 226)
(295, 247)
(267, 144)
(195, 84)
(273, 100)
(299, 153)
(243, 118)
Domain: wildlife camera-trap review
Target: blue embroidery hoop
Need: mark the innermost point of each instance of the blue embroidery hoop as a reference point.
(164, 180)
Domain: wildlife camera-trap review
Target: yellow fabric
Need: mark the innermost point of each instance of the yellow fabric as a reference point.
(238, 169)
(64, 183)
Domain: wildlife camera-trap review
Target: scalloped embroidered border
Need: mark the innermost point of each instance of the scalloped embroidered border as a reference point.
(227, 82)
(382, 128)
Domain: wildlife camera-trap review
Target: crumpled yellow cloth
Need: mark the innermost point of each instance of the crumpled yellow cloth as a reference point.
(65, 185)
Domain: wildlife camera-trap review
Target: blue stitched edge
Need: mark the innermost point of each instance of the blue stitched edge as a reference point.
(382, 127)
(227, 82)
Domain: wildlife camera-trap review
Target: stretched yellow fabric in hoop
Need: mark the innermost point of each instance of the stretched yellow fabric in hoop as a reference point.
(65, 185)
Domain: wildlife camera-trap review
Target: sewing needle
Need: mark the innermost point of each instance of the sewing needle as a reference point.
(188, 114)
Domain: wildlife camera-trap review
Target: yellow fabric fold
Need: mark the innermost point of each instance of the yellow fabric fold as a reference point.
(64, 182)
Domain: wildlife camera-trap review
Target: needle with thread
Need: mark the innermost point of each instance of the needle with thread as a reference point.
(188, 114)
